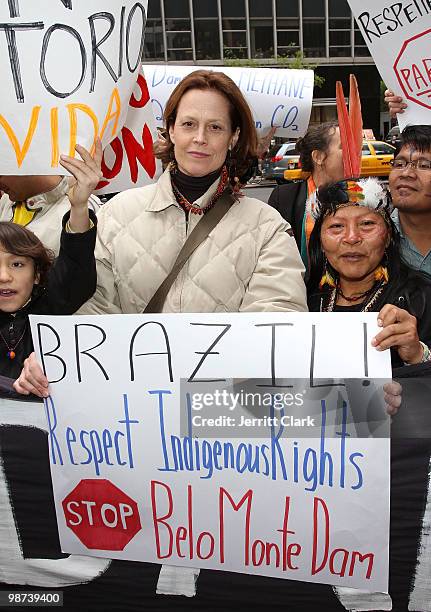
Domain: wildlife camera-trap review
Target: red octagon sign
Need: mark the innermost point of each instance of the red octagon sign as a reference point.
(413, 68)
(101, 515)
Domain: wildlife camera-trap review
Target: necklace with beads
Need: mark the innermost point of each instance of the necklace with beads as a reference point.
(377, 291)
(11, 349)
(197, 210)
(356, 297)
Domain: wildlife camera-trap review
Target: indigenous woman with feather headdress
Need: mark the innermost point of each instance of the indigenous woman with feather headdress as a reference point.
(355, 265)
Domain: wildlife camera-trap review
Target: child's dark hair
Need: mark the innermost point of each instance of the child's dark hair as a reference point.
(20, 241)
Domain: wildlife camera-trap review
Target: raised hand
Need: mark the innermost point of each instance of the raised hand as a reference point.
(87, 173)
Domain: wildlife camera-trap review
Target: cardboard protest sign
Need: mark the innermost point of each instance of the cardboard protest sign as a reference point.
(277, 97)
(67, 77)
(398, 35)
(154, 454)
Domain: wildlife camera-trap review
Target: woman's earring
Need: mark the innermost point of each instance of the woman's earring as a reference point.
(327, 278)
(381, 274)
(173, 167)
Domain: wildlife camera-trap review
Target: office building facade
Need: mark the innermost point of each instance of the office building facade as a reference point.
(268, 33)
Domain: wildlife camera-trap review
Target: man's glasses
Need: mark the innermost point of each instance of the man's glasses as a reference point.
(420, 164)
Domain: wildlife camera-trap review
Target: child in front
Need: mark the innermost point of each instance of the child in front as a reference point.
(31, 282)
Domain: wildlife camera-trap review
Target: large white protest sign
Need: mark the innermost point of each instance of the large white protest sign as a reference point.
(278, 97)
(159, 452)
(68, 71)
(398, 35)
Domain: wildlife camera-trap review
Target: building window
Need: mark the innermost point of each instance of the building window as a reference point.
(233, 8)
(287, 37)
(177, 25)
(205, 8)
(339, 29)
(260, 8)
(261, 28)
(234, 29)
(207, 36)
(154, 9)
(176, 9)
(178, 40)
(207, 39)
(287, 27)
(261, 38)
(339, 8)
(179, 55)
(314, 35)
(316, 8)
(234, 39)
(287, 8)
(153, 49)
(361, 49)
(153, 40)
(178, 30)
(339, 43)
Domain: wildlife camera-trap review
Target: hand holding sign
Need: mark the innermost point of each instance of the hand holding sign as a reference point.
(396, 103)
(32, 379)
(399, 331)
(393, 396)
(87, 174)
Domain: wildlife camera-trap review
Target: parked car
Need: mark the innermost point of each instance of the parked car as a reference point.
(393, 136)
(376, 158)
(277, 161)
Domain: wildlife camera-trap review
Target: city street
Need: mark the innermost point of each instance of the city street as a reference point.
(260, 192)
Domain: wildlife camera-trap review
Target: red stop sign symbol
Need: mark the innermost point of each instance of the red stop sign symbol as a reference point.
(101, 515)
(413, 68)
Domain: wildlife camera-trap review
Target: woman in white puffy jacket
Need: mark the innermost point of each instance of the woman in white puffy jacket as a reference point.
(248, 262)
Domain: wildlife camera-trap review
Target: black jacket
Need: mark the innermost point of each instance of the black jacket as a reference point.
(408, 289)
(71, 282)
(290, 201)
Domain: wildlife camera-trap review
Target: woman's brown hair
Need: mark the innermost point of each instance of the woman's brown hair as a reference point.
(317, 138)
(243, 154)
(20, 241)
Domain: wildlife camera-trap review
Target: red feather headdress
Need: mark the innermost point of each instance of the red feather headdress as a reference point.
(350, 124)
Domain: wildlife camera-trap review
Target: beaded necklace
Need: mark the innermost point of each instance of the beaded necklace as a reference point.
(367, 306)
(355, 297)
(11, 349)
(197, 210)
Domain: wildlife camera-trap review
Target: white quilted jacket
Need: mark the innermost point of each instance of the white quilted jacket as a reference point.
(247, 263)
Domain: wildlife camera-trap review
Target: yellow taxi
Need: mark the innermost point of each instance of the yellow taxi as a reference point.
(376, 157)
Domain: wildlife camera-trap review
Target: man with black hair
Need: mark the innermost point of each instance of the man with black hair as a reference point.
(410, 187)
